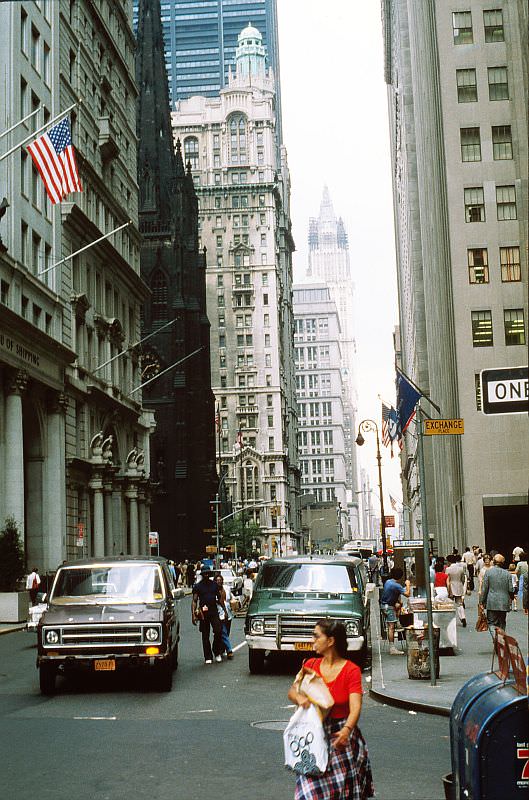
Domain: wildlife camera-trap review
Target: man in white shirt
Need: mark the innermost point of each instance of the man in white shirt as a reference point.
(32, 584)
(470, 560)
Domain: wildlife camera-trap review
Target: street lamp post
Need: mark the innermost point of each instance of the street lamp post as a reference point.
(366, 426)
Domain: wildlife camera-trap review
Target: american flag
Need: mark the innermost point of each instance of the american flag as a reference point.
(393, 503)
(217, 419)
(239, 438)
(386, 435)
(54, 157)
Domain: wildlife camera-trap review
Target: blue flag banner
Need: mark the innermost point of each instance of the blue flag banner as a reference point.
(407, 397)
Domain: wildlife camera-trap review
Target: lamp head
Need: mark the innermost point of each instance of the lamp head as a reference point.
(360, 440)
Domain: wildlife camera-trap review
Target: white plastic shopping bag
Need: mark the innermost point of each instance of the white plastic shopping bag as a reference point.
(305, 743)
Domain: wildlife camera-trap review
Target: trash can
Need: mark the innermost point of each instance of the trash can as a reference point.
(417, 645)
(490, 756)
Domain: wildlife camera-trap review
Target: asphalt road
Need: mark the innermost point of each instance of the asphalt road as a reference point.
(113, 739)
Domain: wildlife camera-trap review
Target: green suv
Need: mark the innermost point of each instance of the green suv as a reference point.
(292, 594)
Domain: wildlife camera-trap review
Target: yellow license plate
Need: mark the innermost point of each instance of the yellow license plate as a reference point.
(303, 646)
(104, 665)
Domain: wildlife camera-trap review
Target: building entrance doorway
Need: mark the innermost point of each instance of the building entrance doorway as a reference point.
(505, 528)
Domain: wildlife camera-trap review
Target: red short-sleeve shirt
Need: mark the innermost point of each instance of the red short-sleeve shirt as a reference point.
(441, 579)
(348, 681)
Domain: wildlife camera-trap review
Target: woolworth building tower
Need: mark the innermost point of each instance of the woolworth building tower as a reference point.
(183, 445)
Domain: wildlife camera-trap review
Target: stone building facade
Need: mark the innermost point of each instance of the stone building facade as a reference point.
(74, 436)
(176, 357)
(329, 262)
(243, 185)
(319, 394)
(457, 88)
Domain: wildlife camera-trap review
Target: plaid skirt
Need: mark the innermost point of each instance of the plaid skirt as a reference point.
(348, 774)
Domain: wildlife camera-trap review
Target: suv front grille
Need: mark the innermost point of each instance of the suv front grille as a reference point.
(97, 636)
(297, 627)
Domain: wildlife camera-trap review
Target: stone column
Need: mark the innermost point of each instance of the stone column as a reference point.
(118, 527)
(96, 484)
(108, 504)
(55, 484)
(142, 516)
(14, 449)
(132, 495)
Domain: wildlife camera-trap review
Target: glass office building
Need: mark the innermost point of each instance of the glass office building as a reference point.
(200, 37)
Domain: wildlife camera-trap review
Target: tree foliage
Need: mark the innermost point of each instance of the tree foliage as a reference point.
(11, 556)
(235, 530)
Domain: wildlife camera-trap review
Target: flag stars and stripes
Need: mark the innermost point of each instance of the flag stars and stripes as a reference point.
(54, 157)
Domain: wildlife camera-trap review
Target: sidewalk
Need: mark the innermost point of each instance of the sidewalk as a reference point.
(11, 627)
(390, 682)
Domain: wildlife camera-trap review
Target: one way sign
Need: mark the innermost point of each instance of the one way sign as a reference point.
(505, 391)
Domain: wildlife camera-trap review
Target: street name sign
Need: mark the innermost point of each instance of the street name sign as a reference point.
(153, 538)
(209, 530)
(407, 543)
(505, 391)
(444, 427)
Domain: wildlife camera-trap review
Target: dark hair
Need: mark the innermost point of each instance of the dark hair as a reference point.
(523, 556)
(331, 627)
(452, 559)
(438, 566)
(396, 572)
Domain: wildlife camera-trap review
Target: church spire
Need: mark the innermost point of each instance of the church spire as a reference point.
(158, 167)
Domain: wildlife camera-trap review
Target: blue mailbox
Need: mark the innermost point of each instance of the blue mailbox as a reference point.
(489, 741)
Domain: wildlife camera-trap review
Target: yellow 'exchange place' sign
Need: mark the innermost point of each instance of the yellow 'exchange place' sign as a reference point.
(435, 427)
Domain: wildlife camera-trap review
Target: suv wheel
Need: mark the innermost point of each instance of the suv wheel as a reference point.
(175, 657)
(47, 676)
(256, 661)
(164, 675)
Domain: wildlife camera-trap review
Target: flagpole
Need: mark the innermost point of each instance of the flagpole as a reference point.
(418, 389)
(132, 346)
(159, 375)
(86, 247)
(20, 122)
(425, 541)
(43, 128)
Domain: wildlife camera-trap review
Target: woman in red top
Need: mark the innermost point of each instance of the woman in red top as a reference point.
(440, 577)
(348, 775)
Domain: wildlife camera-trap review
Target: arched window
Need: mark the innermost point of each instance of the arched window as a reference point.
(159, 296)
(191, 152)
(238, 141)
(251, 482)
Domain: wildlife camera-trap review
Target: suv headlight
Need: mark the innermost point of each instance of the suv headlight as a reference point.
(52, 637)
(351, 627)
(152, 634)
(257, 626)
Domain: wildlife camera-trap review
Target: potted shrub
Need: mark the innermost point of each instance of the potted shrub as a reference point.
(13, 603)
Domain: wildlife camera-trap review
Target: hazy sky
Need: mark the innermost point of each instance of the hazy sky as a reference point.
(335, 128)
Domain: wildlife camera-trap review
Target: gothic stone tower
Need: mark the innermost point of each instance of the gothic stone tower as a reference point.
(183, 446)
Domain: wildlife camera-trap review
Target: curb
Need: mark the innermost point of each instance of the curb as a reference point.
(399, 702)
(4, 631)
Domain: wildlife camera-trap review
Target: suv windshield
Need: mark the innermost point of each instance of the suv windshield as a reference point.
(121, 583)
(312, 577)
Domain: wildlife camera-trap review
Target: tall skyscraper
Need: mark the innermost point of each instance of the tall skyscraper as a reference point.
(457, 93)
(243, 184)
(319, 394)
(200, 39)
(182, 447)
(329, 263)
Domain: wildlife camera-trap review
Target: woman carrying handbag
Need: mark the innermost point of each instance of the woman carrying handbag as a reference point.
(348, 774)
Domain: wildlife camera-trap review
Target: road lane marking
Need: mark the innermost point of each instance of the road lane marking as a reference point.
(238, 647)
(201, 711)
(109, 718)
